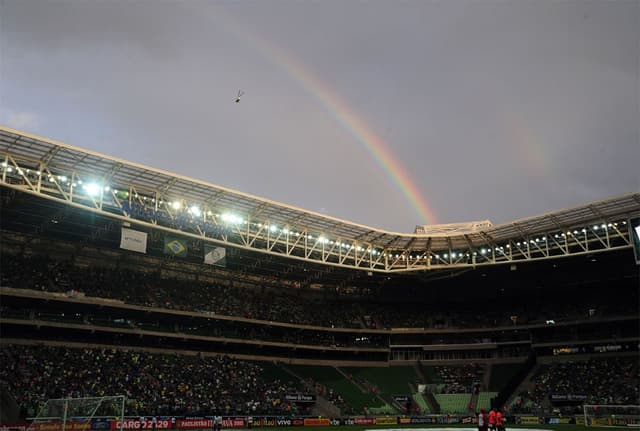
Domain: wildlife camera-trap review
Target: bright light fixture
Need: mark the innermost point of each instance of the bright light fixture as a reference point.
(92, 189)
(195, 211)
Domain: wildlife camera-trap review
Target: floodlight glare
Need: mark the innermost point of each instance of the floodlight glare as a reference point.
(195, 211)
(232, 218)
(176, 205)
(92, 189)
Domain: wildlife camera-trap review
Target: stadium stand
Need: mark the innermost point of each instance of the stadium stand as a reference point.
(155, 384)
(607, 380)
(80, 316)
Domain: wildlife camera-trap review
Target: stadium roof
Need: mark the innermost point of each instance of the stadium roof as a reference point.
(54, 170)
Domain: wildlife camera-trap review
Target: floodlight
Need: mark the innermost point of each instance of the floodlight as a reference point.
(92, 189)
(195, 211)
(232, 218)
(176, 205)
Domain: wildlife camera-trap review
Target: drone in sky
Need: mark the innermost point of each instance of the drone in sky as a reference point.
(240, 94)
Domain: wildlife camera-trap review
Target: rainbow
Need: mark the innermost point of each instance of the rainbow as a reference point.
(338, 108)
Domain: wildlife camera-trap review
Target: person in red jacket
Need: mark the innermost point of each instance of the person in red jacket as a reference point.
(492, 420)
(499, 421)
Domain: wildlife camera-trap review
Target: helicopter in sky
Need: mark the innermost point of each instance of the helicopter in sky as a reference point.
(240, 94)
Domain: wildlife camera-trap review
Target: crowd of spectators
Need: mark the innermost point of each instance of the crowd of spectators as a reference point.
(604, 381)
(44, 273)
(460, 379)
(154, 384)
(148, 289)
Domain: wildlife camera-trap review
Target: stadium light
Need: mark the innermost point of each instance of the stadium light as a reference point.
(92, 189)
(273, 228)
(176, 205)
(195, 211)
(234, 219)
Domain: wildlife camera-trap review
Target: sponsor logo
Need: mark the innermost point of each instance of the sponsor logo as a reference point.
(423, 420)
(265, 422)
(405, 420)
(283, 422)
(364, 421)
(300, 398)
(297, 422)
(194, 423)
(132, 424)
(386, 420)
(529, 420)
(320, 422)
(13, 427)
(232, 423)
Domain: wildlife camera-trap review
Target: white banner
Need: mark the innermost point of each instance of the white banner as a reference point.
(133, 240)
(215, 255)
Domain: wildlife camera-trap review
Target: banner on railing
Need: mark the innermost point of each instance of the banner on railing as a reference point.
(133, 240)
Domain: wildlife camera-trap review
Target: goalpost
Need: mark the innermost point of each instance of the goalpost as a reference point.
(77, 414)
(611, 415)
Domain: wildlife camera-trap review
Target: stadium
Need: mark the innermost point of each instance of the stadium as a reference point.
(132, 297)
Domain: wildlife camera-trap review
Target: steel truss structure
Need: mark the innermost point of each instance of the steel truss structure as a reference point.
(139, 195)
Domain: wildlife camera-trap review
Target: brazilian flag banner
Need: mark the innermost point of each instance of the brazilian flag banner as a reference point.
(175, 246)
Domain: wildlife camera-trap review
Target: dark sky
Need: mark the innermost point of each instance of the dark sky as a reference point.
(354, 108)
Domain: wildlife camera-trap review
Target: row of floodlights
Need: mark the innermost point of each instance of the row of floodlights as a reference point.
(94, 189)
